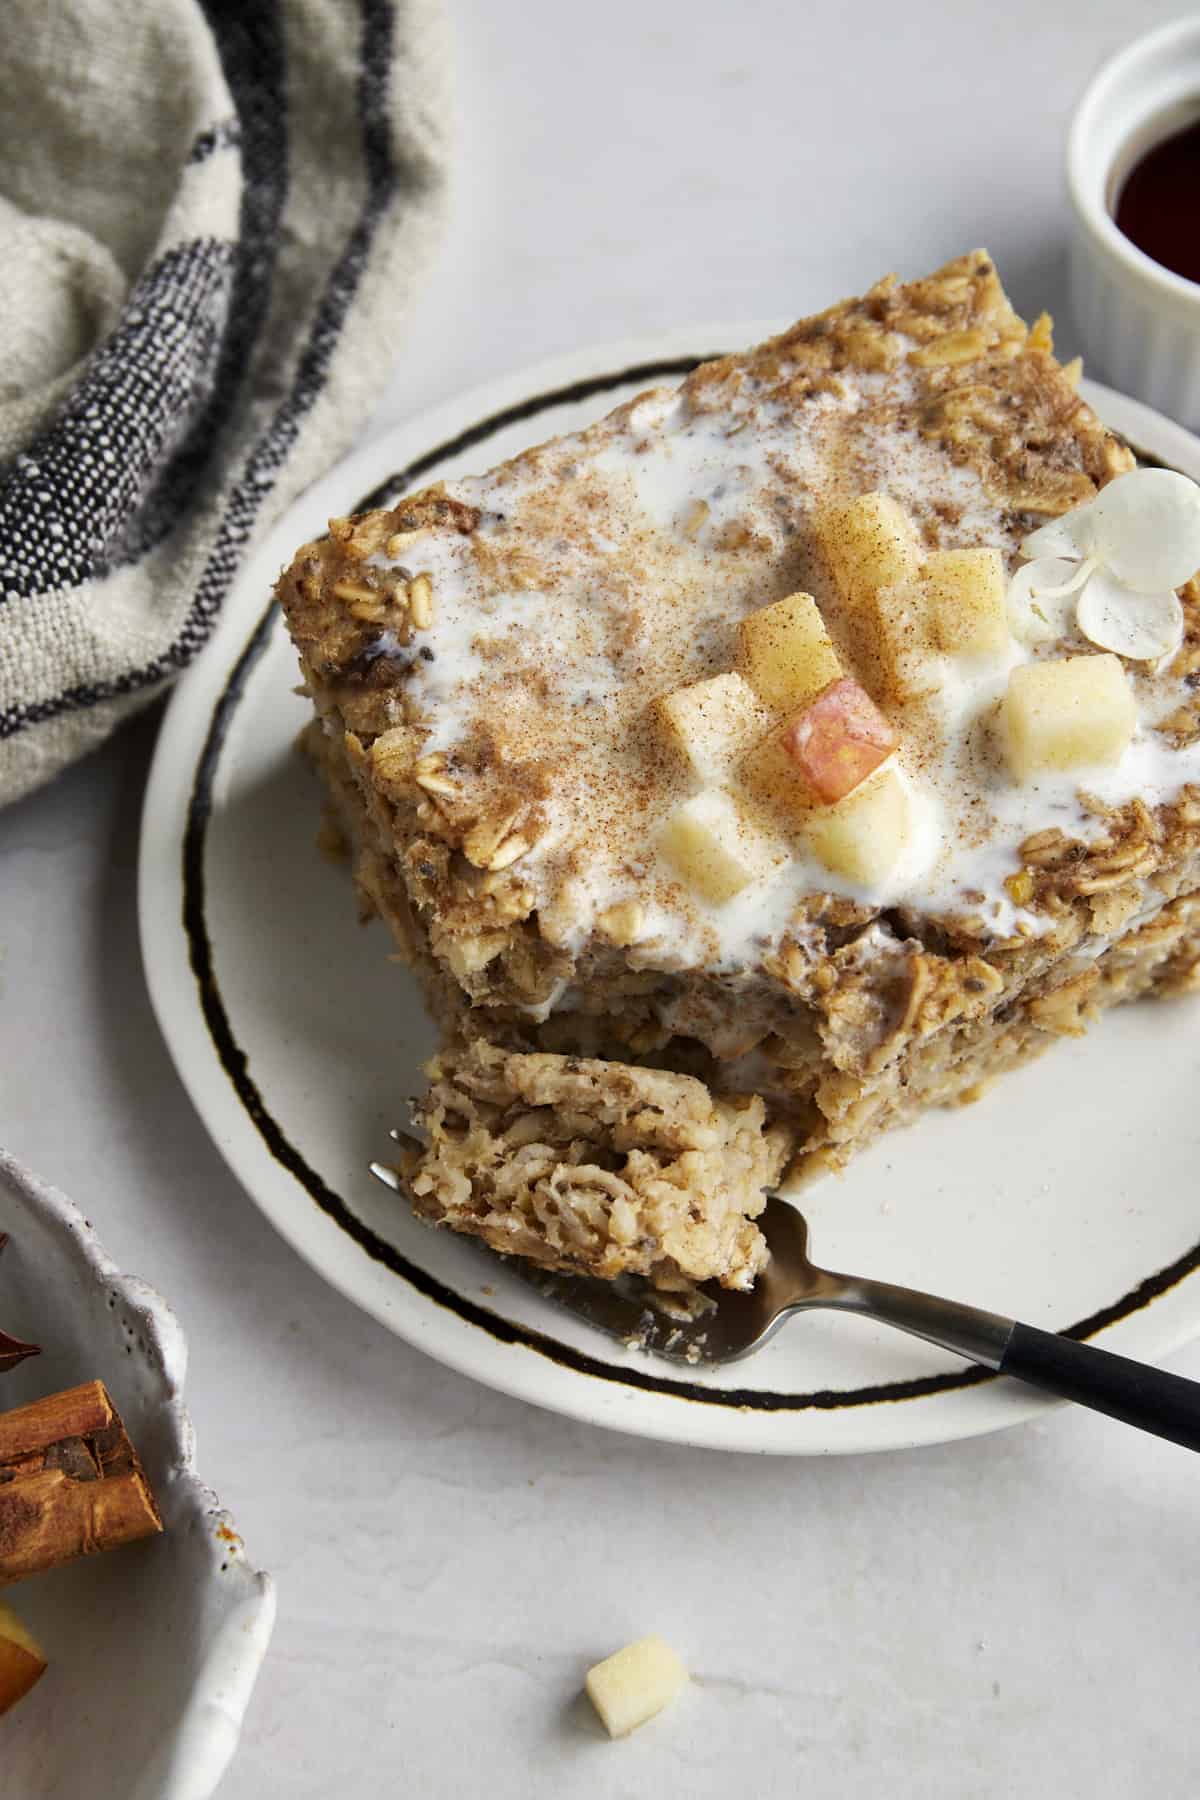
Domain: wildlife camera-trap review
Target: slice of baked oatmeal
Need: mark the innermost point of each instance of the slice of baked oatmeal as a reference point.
(745, 737)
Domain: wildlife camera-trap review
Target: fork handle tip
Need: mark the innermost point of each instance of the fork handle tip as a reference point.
(1136, 1393)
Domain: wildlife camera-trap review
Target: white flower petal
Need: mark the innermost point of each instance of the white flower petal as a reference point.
(1080, 571)
(1145, 528)
(1143, 627)
(1033, 618)
(1058, 538)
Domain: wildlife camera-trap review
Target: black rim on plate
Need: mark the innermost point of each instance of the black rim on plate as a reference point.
(234, 1060)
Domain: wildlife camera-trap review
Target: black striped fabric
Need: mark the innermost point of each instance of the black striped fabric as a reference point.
(241, 363)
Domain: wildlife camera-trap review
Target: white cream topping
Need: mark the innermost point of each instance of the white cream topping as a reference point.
(618, 568)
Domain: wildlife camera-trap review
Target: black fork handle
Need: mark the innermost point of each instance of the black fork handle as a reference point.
(1136, 1393)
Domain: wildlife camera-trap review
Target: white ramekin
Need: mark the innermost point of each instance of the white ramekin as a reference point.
(1140, 324)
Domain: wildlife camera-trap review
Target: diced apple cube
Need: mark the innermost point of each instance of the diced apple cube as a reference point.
(862, 836)
(838, 740)
(895, 642)
(875, 556)
(717, 847)
(712, 724)
(773, 777)
(967, 601)
(1067, 714)
(21, 1661)
(870, 543)
(633, 1684)
(785, 652)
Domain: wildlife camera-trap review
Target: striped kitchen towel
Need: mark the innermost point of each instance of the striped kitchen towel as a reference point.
(212, 216)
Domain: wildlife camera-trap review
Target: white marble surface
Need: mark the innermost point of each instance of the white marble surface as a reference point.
(1011, 1616)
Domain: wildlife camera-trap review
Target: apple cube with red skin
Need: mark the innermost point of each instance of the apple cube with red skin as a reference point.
(839, 740)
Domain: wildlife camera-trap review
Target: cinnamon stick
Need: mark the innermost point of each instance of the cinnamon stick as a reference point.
(70, 1483)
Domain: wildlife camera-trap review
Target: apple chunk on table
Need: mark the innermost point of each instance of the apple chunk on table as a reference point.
(633, 1684)
(21, 1661)
(839, 740)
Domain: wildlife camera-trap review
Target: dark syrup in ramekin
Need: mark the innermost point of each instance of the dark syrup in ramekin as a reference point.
(1158, 207)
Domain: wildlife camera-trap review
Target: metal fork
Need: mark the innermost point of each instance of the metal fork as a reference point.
(734, 1324)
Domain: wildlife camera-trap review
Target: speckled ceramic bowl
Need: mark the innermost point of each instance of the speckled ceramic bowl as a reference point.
(154, 1648)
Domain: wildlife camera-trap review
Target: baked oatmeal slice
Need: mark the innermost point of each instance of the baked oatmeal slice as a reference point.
(749, 735)
(595, 1167)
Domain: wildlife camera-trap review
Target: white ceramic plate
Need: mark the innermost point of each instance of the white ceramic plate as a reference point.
(298, 1042)
(153, 1648)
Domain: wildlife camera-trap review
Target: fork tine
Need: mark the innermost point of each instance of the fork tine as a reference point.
(625, 1310)
(405, 1139)
(388, 1176)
